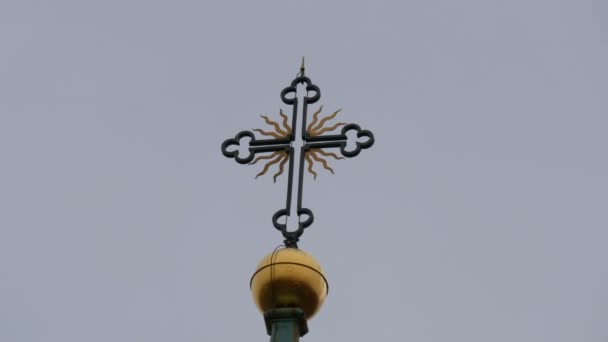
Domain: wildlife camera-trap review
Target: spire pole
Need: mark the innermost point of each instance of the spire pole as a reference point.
(302, 67)
(285, 324)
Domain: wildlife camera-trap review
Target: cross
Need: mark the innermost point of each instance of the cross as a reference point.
(282, 149)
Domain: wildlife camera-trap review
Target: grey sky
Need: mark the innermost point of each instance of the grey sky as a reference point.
(479, 215)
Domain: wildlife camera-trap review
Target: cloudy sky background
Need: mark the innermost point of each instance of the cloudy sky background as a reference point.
(478, 215)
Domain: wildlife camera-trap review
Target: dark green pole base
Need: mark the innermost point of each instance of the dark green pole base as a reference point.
(285, 324)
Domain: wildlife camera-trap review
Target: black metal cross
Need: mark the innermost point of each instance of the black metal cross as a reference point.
(281, 149)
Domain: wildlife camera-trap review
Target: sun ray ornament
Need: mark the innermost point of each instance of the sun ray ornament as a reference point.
(279, 148)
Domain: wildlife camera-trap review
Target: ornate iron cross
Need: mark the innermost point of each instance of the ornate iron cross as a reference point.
(281, 149)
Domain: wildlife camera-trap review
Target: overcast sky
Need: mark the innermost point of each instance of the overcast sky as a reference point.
(480, 214)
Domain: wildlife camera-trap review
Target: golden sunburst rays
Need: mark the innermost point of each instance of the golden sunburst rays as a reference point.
(280, 157)
(317, 155)
(317, 127)
(279, 132)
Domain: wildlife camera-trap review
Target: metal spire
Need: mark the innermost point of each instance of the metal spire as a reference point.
(302, 67)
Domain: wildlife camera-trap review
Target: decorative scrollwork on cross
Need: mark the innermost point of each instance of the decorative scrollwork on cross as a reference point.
(279, 149)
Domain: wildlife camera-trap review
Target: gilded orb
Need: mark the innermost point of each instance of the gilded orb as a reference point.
(289, 278)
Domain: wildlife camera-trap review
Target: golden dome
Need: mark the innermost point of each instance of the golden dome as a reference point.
(289, 277)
